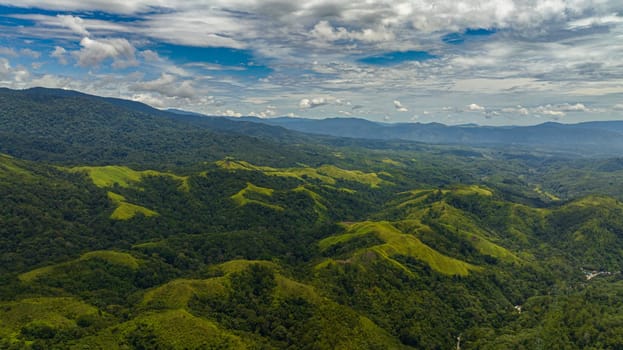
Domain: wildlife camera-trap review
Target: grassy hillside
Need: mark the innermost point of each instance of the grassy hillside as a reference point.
(239, 255)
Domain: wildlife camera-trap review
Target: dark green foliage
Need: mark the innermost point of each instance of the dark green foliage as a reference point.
(73, 128)
(48, 217)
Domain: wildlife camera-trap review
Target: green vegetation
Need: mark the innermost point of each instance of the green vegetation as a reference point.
(42, 318)
(244, 196)
(112, 257)
(398, 243)
(10, 168)
(125, 210)
(328, 174)
(238, 241)
(107, 176)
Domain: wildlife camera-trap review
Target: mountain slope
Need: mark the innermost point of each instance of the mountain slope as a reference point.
(73, 128)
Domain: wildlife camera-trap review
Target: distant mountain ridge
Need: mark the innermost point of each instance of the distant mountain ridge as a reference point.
(46, 122)
(604, 138)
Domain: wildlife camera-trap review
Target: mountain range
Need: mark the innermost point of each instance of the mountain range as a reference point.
(594, 138)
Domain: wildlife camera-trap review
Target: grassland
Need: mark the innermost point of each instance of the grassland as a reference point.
(10, 167)
(398, 243)
(328, 174)
(332, 325)
(112, 257)
(125, 210)
(242, 197)
(54, 313)
(417, 205)
(171, 329)
(107, 176)
(546, 194)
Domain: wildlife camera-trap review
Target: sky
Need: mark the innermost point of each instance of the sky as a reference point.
(489, 62)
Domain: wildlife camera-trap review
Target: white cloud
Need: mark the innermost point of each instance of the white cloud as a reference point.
(230, 113)
(168, 85)
(516, 110)
(150, 56)
(578, 107)
(7, 51)
(29, 53)
(270, 111)
(307, 103)
(592, 21)
(12, 76)
(399, 107)
(549, 110)
(475, 108)
(5, 68)
(325, 32)
(546, 52)
(113, 6)
(94, 52)
(150, 100)
(200, 27)
(60, 54)
(76, 24)
(618, 107)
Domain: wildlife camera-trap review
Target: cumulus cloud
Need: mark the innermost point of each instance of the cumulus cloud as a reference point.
(520, 110)
(549, 110)
(7, 51)
(307, 103)
(10, 52)
(150, 56)
(60, 54)
(76, 24)
(399, 107)
(618, 107)
(29, 53)
(475, 108)
(168, 85)
(150, 100)
(324, 31)
(270, 111)
(230, 113)
(578, 107)
(5, 68)
(12, 75)
(94, 52)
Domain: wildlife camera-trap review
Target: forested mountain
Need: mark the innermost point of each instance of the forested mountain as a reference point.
(72, 128)
(124, 227)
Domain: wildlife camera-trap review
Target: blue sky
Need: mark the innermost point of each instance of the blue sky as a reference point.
(494, 62)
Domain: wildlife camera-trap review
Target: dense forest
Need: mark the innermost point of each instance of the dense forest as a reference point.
(124, 227)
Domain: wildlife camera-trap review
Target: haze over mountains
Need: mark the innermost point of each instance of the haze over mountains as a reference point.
(583, 138)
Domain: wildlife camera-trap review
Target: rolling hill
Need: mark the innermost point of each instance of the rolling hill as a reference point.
(123, 227)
